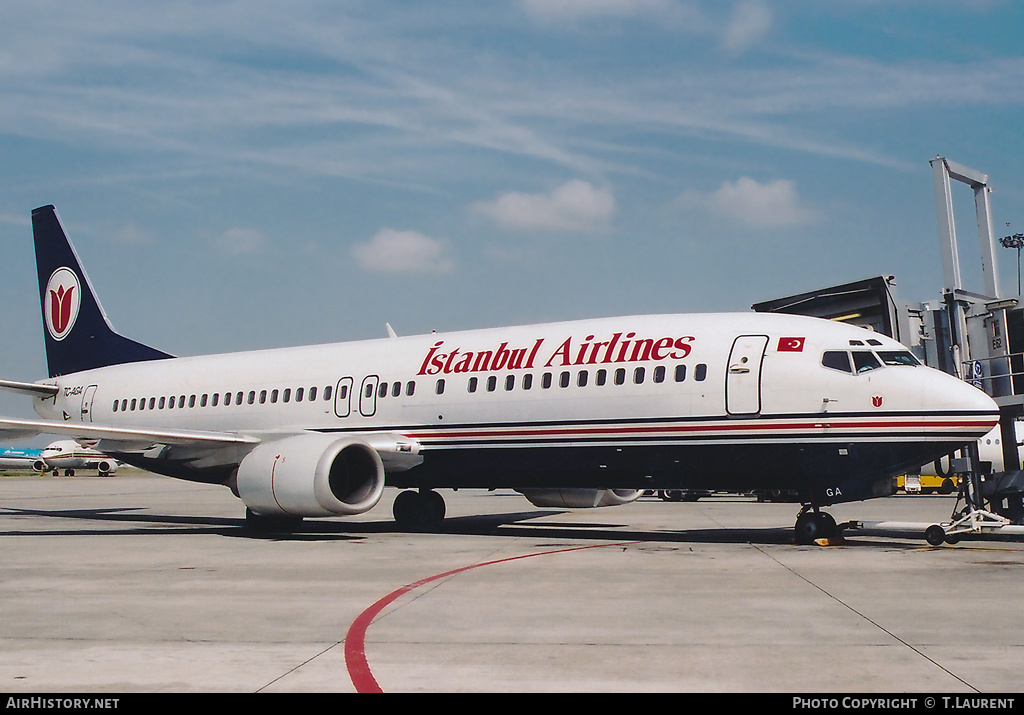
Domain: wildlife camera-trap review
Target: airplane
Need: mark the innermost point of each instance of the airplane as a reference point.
(68, 455)
(14, 458)
(579, 413)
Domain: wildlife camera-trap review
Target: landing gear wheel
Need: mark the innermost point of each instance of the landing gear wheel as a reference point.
(419, 511)
(812, 525)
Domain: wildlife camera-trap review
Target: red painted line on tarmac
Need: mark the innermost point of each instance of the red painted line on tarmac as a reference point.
(355, 639)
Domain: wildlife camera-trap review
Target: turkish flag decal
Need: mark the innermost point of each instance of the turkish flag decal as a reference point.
(791, 345)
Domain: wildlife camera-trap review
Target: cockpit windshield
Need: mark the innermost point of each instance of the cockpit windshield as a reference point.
(898, 357)
(861, 361)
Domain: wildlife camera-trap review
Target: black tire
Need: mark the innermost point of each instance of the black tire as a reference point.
(935, 535)
(807, 528)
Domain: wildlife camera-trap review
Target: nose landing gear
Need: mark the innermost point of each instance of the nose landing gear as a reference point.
(812, 524)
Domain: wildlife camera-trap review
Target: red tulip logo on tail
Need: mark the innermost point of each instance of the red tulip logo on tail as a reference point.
(62, 301)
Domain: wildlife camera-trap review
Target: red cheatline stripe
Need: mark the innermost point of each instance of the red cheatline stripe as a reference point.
(355, 639)
(681, 429)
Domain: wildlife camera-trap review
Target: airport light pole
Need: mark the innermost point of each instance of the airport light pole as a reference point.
(1014, 241)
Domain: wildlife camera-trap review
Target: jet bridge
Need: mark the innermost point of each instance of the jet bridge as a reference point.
(979, 337)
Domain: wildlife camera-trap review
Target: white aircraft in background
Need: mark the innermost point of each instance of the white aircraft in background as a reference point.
(587, 412)
(68, 455)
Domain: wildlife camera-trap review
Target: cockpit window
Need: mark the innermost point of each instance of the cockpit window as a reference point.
(837, 360)
(898, 357)
(864, 360)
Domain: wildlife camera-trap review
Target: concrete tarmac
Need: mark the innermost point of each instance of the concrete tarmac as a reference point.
(136, 583)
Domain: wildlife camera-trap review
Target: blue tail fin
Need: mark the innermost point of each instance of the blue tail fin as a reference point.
(77, 332)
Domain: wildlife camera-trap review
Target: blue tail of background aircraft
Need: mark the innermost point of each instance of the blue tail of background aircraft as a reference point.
(77, 333)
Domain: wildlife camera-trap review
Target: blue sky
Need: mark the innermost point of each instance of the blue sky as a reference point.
(241, 175)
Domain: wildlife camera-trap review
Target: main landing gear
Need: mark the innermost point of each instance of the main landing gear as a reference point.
(812, 524)
(421, 510)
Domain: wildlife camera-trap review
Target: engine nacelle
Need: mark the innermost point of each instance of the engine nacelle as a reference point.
(311, 475)
(106, 466)
(39, 465)
(580, 498)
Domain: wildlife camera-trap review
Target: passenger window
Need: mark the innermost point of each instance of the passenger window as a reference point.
(601, 377)
(213, 403)
(439, 387)
(252, 397)
(327, 391)
(545, 381)
(492, 382)
(287, 397)
(410, 388)
(312, 394)
(510, 382)
(382, 390)
(152, 402)
(680, 373)
(620, 376)
(202, 401)
(581, 378)
(238, 398)
(299, 393)
(864, 361)
(700, 372)
(659, 373)
(638, 376)
(563, 379)
(472, 384)
(527, 381)
(396, 389)
(273, 397)
(263, 397)
(837, 360)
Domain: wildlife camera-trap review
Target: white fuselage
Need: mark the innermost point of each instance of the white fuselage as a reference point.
(727, 400)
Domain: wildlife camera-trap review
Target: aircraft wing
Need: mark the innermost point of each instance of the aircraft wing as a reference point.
(124, 439)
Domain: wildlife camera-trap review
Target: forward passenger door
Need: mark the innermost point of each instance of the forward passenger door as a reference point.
(743, 377)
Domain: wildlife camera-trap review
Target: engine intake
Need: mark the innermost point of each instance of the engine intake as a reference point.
(311, 475)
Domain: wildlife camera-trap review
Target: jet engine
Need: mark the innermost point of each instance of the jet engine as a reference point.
(311, 475)
(580, 498)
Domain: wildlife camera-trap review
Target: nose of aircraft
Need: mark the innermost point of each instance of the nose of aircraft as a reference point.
(949, 393)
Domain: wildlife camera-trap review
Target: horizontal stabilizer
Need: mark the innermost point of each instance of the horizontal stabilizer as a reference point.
(30, 388)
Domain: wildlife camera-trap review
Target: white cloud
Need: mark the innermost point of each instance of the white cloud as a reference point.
(575, 206)
(771, 204)
(549, 10)
(749, 22)
(405, 252)
(242, 241)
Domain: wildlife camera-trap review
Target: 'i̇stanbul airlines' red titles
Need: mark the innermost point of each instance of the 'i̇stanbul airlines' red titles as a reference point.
(618, 348)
